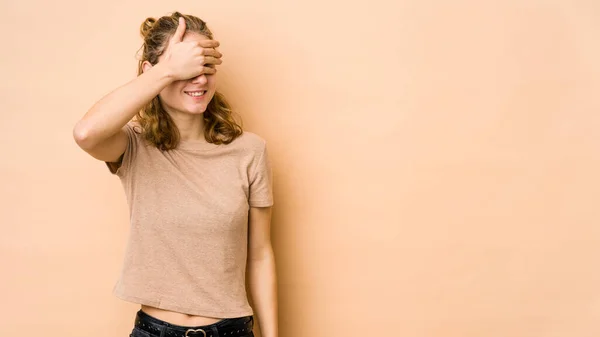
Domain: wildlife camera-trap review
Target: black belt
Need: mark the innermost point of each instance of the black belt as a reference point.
(226, 328)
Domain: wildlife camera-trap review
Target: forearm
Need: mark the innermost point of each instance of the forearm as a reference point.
(263, 290)
(107, 116)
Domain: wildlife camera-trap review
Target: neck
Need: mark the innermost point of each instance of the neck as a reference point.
(191, 127)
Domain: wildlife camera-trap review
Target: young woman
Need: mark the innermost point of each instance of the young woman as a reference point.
(199, 191)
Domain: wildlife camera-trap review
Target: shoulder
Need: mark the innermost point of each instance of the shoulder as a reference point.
(251, 141)
(134, 126)
(133, 129)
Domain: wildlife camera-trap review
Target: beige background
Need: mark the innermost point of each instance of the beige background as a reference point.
(436, 162)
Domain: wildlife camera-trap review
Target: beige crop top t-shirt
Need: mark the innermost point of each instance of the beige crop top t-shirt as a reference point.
(187, 244)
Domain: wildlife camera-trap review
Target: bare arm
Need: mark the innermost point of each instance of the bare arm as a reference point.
(100, 132)
(262, 271)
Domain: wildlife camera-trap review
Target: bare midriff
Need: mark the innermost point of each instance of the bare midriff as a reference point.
(178, 318)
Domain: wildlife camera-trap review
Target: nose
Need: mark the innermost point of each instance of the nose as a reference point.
(201, 79)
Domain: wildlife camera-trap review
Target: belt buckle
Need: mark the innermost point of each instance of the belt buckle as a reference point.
(195, 330)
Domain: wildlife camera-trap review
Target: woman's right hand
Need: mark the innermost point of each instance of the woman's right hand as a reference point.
(190, 59)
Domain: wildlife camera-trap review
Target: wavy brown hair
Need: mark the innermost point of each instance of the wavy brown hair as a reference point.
(158, 127)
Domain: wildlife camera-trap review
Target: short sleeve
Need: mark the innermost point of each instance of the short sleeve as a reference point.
(261, 182)
(126, 160)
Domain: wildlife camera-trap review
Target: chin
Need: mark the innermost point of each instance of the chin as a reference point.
(196, 110)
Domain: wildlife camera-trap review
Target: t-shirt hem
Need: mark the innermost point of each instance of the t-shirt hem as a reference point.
(261, 203)
(186, 310)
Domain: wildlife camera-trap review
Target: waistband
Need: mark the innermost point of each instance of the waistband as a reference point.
(229, 327)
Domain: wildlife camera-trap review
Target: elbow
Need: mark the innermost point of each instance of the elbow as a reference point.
(81, 135)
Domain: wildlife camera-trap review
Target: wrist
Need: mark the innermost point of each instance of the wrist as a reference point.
(164, 72)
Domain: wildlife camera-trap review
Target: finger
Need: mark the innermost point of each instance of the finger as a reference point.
(211, 52)
(178, 36)
(209, 43)
(212, 60)
(209, 70)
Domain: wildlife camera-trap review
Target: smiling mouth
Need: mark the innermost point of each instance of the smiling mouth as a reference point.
(198, 93)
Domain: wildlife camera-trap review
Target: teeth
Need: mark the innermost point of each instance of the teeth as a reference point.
(196, 93)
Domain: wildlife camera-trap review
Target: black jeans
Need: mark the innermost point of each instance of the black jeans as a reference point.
(148, 326)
